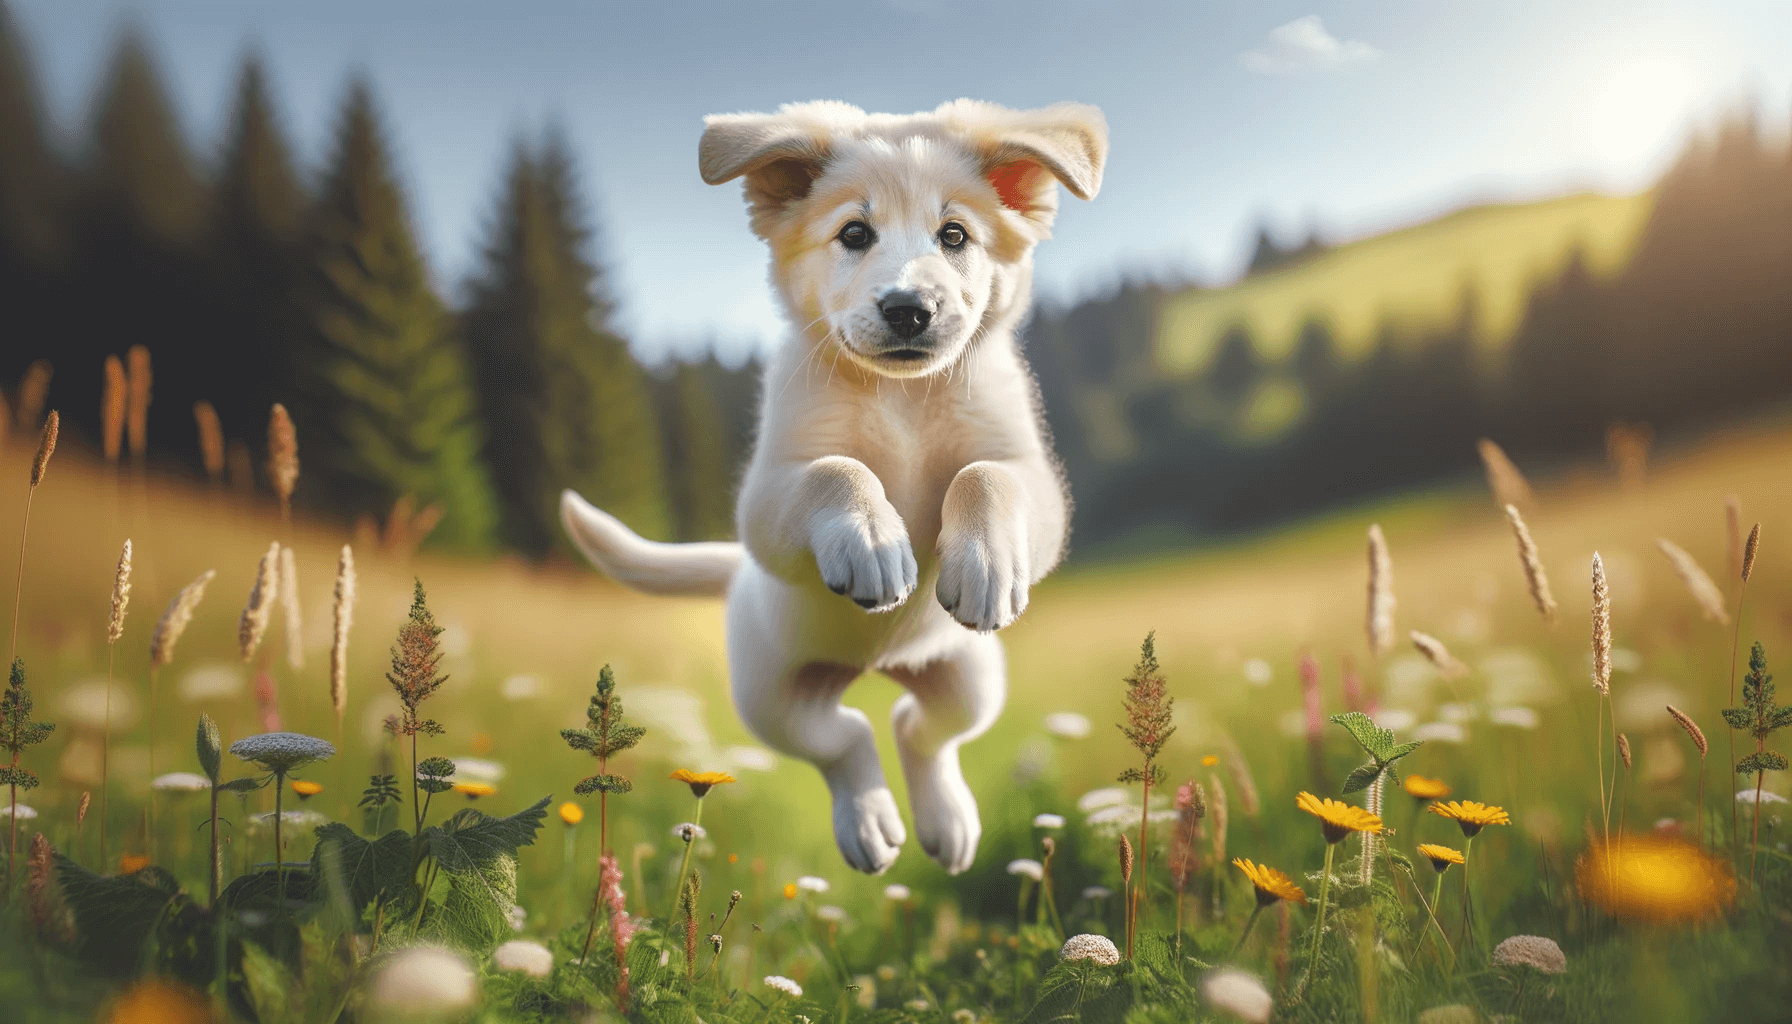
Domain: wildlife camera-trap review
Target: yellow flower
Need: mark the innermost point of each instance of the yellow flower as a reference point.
(734, 858)
(1441, 857)
(571, 813)
(131, 863)
(1209, 761)
(154, 1001)
(790, 890)
(1421, 788)
(482, 743)
(475, 790)
(1652, 879)
(1470, 816)
(306, 789)
(701, 782)
(1338, 819)
(1271, 884)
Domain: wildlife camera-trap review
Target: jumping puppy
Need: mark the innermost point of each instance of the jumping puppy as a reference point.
(899, 443)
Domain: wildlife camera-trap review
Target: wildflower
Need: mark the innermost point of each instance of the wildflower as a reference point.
(1441, 857)
(306, 789)
(917, 1005)
(1068, 725)
(1149, 714)
(479, 769)
(1420, 788)
(260, 607)
(157, 1001)
(1048, 821)
(131, 863)
(830, 914)
(1440, 732)
(1097, 892)
(1338, 819)
(1655, 879)
(1532, 951)
(810, 883)
(701, 782)
(84, 705)
(23, 812)
(1760, 716)
(1238, 993)
(1210, 760)
(1749, 796)
(689, 832)
(531, 958)
(1098, 948)
(896, 892)
(571, 813)
(1271, 885)
(1515, 717)
(281, 752)
(475, 790)
(1471, 817)
(1438, 655)
(181, 782)
(963, 1016)
(790, 890)
(1027, 868)
(1096, 799)
(424, 980)
(784, 985)
(518, 918)
(1381, 594)
(296, 819)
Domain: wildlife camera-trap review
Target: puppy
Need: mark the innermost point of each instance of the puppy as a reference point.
(900, 444)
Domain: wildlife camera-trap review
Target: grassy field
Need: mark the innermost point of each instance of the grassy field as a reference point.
(1413, 279)
(522, 647)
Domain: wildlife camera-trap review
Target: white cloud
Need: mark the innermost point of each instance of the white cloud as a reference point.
(1305, 44)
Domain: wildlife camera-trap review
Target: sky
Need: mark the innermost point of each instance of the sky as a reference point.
(1348, 118)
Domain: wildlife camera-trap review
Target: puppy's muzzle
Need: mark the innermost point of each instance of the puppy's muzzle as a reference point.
(908, 313)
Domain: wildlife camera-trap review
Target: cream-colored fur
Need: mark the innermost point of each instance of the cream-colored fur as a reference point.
(885, 461)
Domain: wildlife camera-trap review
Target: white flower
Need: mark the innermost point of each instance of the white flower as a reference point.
(1067, 724)
(1516, 717)
(1257, 672)
(181, 782)
(422, 980)
(520, 687)
(1530, 951)
(1118, 812)
(963, 1016)
(1440, 732)
(689, 831)
(1458, 713)
(1030, 868)
(518, 918)
(1395, 719)
(1167, 814)
(886, 971)
(896, 891)
(1096, 799)
(755, 759)
(531, 958)
(25, 812)
(477, 769)
(1048, 821)
(830, 914)
(282, 751)
(1238, 993)
(289, 819)
(1097, 892)
(866, 996)
(206, 682)
(1098, 948)
(1747, 796)
(784, 985)
(809, 883)
(916, 1005)
(84, 705)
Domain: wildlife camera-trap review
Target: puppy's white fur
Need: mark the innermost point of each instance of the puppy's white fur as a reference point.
(885, 462)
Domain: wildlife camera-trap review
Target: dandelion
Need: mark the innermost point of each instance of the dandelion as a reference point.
(260, 607)
(1654, 879)
(279, 754)
(1438, 655)
(474, 790)
(344, 608)
(524, 957)
(1053, 821)
(1148, 717)
(784, 985)
(1068, 725)
(283, 457)
(1238, 993)
(896, 892)
(810, 883)
(1381, 594)
(1098, 948)
(305, 789)
(1337, 820)
(1271, 887)
(424, 980)
(1534, 576)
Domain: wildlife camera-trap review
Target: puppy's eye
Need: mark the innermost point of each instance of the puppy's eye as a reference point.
(952, 236)
(857, 235)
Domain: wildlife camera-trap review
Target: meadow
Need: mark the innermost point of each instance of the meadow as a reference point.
(371, 916)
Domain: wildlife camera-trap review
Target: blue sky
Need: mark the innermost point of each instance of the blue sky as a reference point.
(1349, 116)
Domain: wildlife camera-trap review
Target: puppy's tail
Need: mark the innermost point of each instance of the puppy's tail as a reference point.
(689, 570)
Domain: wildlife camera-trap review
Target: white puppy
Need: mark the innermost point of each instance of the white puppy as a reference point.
(900, 443)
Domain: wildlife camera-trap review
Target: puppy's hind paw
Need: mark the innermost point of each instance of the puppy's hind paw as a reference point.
(868, 829)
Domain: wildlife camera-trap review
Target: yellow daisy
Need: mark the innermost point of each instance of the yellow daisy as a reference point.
(306, 789)
(790, 890)
(701, 782)
(571, 813)
(1271, 884)
(1441, 857)
(1420, 788)
(1337, 818)
(1652, 879)
(1471, 817)
(1210, 760)
(475, 790)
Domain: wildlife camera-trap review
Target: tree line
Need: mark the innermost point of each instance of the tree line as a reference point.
(250, 282)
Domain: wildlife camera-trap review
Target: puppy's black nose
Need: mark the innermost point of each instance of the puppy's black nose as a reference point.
(907, 313)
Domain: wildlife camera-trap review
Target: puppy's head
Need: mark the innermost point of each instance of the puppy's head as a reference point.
(899, 238)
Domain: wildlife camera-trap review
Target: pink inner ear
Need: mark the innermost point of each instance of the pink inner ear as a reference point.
(1013, 183)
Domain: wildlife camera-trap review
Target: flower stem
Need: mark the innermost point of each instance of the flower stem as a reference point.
(1250, 922)
(1735, 642)
(1437, 892)
(279, 855)
(684, 866)
(1325, 888)
(106, 752)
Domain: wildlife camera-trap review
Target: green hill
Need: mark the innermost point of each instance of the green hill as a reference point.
(1413, 280)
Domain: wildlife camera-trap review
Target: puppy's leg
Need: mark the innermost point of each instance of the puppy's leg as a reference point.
(1001, 529)
(950, 701)
(795, 708)
(829, 516)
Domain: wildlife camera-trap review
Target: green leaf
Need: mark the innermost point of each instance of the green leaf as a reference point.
(1362, 777)
(114, 914)
(369, 868)
(475, 913)
(244, 785)
(471, 838)
(1375, 741)
(1061, 986)
(1763, 761)
(1401, 751)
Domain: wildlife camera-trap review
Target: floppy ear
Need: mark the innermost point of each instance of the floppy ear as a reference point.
(1026, 154)
(780, 154)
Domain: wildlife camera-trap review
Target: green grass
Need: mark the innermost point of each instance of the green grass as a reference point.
(1413, 280)
(1269, 598)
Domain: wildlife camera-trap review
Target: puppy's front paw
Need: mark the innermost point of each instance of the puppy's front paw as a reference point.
(984, 575)
(866, 557)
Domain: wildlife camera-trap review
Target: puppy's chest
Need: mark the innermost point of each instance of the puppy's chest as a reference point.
(915, 452)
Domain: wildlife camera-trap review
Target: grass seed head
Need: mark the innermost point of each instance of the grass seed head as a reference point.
(1733, 533)
(1749, 550)
(46, 447)
(260, 607)
(289, 603)
(142, 381)
(344, 608)
(283, 452)
(1435, 652)
(1534, 576)
(1504, 479)
(175, 619)
(1692, 728)
(1624, 750)
(211, 439)
(114, 401)
(1381, 594)
(1125, 859)
(1710, 599)
(1602, 629)
(121, 595)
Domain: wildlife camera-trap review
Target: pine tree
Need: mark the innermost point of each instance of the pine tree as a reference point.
(707, 415)
(31, 192)
(565, 403)
(385, 401)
